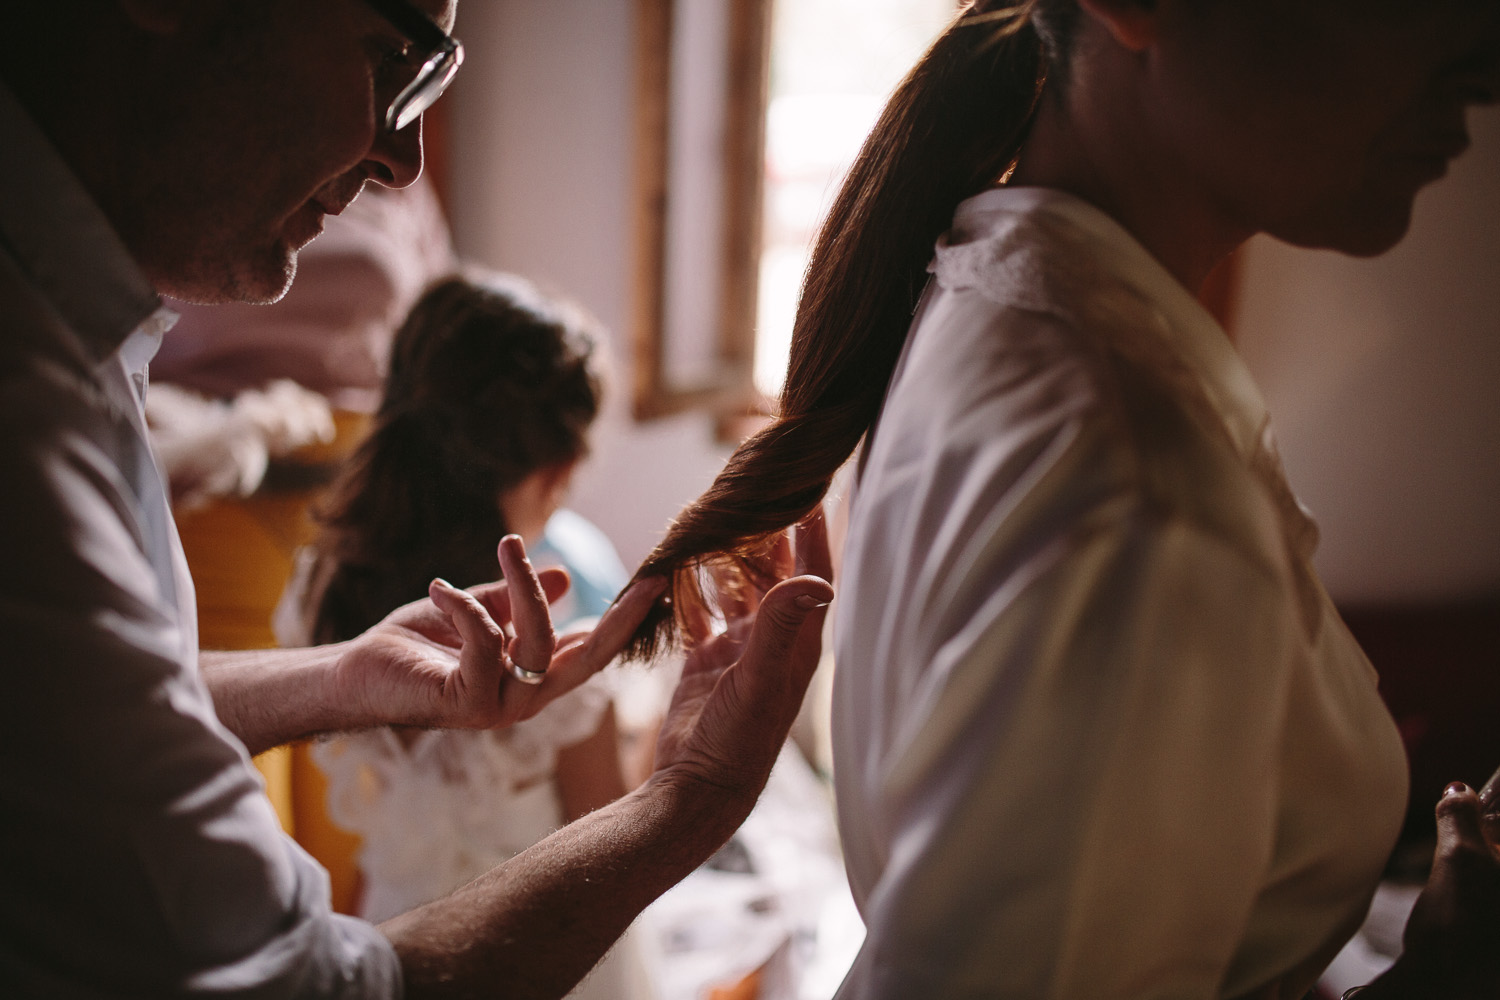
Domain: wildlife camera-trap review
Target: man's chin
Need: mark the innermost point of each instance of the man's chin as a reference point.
(261, 283)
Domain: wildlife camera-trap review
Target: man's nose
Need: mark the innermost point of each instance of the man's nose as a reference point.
(395, 158)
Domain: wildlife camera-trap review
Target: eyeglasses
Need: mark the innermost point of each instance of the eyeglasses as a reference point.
(436, 73)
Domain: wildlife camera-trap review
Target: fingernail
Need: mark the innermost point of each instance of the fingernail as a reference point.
(443, 583)
(807, 602)
(1457, 788)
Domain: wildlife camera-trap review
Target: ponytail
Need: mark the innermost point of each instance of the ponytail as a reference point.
(952, 129)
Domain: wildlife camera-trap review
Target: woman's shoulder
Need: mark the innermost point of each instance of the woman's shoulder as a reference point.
(969, 352)
(1000, 406)
(985, 385)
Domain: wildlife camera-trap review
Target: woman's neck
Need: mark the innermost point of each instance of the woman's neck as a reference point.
(1083, 148)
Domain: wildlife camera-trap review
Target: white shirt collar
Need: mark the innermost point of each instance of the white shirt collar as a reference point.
(1190, 332)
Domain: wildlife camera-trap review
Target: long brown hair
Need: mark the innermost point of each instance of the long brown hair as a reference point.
(489, 382)
(952, 129)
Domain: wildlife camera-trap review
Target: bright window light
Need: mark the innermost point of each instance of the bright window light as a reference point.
(833, 64)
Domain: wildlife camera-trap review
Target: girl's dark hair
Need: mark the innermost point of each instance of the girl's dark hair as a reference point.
(489, 382)
(952, 128)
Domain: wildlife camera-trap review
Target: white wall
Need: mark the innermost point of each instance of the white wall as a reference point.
(540, 184)
(1383, 380)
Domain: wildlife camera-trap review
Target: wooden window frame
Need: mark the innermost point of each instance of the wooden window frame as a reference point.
(727, 388)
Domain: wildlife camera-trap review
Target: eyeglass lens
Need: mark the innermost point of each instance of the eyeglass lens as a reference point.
(436, 73)
(431, 80)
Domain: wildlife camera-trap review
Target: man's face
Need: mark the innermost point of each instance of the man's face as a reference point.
(270, 120)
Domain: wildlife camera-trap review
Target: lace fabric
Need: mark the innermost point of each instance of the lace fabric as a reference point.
(437, 808)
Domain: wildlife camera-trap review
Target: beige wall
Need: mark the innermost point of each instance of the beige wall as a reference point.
(540, 185)
(1383, 379)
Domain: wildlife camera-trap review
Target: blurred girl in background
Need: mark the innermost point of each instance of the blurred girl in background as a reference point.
(487, 406)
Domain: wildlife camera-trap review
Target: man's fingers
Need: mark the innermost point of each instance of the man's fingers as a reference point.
(620, 620)
(813, 555)
(1489, 808)
(581, 656)
(783, 559)
(695, 621)
(813, 558)
(496, 596)
(555, 582)
(739, 594)
(1459, 825)
(772, 654)
(736, 595)
(532, 647)
(483, 642)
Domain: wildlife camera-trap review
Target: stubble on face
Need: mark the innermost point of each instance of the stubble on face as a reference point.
(259, 131)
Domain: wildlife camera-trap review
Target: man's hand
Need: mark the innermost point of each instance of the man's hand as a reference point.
(740, 690)
(445, 661)
(1449, 944)
(537, 923)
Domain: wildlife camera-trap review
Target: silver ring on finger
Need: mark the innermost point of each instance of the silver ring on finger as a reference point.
(525, 676)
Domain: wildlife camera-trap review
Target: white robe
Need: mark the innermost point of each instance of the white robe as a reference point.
(1099, 732)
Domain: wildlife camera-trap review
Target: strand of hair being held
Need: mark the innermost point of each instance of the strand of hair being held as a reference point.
(950, 130)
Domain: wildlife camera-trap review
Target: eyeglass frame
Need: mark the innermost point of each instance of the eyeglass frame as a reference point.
(435, 73)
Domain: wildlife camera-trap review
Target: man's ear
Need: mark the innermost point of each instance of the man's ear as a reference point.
(156, 17)
(1132, 23)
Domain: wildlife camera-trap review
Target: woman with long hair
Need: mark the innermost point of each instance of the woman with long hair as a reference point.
(1099, 732)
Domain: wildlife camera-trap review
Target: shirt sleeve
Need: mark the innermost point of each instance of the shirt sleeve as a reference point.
(1083, 803)
(143, 856)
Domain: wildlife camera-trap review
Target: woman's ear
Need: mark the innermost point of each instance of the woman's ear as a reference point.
(560, 480)
(1132, 23)
(528, 505)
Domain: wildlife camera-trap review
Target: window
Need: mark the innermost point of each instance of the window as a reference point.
(749, 112)
(833, 65)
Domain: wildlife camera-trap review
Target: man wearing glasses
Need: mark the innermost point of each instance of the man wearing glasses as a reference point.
(191, 147)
